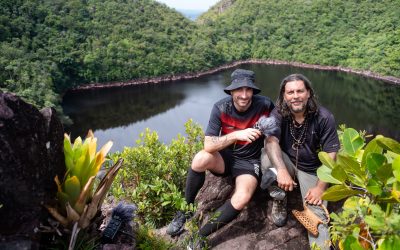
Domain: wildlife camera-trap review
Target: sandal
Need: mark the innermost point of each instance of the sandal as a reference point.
(309, 219)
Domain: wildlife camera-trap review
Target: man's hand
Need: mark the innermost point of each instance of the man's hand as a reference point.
(314, 194)
(284, 180)
(248, 134)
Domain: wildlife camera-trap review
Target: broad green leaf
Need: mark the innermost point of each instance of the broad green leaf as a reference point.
(356, 232)
(354, 179)
(77, 143)
(92, 169)
(324, 174)
(339, 173)
(77, 153)
(92, 148)
(394, 220)
(371, 147)
(338, 192)
(374, 161)
(376, 210)
(390, 242)
(384, 173)
(69, 163)
(100, 157)
(396, 168)
(72, 188)
(351, 203)
(79, 166)
(326, 159)
(351, 166)
(389, 144)
(351, 243)
(376, 223)
(67, 146)
(390, 155)
(373, 187)
(352, 142)
(86, 169)
(390, 199)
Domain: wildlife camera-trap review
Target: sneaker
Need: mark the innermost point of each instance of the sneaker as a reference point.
(276, 193)
(279, 212)
(176, 226)
(268, 179)
(197, 243)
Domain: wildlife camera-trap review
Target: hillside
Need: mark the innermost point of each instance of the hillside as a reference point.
(50, 46)
(358, 34)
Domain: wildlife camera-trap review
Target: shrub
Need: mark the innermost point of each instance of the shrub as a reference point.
(155, 174)
(368, 177)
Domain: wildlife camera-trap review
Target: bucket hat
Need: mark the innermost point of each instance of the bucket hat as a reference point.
(242, 78)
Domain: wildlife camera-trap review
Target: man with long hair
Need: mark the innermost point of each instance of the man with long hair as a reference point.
(305, 128)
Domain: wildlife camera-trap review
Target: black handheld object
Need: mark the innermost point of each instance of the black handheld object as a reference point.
(112, 227)
(122, 213)
(267, 125)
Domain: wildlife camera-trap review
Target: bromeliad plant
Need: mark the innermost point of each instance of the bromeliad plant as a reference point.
(77, 203)
(368, 177)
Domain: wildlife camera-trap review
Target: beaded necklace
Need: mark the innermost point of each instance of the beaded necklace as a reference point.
(298, 141)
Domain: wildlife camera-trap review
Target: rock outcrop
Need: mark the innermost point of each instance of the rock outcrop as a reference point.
(253, 228)
(31, 155)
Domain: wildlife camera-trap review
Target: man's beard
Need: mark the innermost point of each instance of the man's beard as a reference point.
(296, 110)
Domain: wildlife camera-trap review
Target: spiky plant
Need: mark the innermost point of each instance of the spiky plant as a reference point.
(77, 203)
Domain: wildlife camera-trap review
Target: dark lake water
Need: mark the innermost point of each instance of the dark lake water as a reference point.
(121, 114)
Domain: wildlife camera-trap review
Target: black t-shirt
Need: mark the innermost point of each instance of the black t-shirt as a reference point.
(321, 135)
(225, 119)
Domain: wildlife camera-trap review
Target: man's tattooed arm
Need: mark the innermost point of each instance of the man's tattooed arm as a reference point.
(215, 143)
(218, 139)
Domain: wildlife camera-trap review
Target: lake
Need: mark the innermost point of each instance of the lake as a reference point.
(121, 114)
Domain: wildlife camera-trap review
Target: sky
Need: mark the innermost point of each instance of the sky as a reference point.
(189, 4)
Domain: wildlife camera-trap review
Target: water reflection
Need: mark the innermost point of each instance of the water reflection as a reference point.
(122, 114)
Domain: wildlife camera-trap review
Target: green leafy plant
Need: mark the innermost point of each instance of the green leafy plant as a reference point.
(78, 204)
(155, 174)
(368, 177)
(147, 240)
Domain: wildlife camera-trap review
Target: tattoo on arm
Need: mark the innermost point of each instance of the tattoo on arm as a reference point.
(218, 139)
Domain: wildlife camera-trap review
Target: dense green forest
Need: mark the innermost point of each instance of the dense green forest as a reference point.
(50, 46)
(357, 34)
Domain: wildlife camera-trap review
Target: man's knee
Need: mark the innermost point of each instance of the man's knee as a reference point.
(204, 160)
(245, 187)
(240, 199)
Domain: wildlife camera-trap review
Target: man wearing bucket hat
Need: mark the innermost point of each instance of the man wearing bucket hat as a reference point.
(232, 146)
(304, 129)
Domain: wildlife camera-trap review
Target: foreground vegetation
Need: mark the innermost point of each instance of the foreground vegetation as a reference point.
(154, 174)
(48, 47)
(368, 177)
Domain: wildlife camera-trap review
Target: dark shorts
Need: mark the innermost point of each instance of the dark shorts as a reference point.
(236, 167)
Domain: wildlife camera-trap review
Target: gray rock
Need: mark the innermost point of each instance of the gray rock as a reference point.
(31, 155)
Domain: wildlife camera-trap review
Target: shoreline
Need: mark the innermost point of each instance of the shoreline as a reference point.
(191, 75)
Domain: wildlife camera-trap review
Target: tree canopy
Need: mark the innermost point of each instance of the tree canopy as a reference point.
(50, 46)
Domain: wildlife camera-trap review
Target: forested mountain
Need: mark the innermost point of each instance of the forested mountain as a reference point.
(49, 46)
(357, 34)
